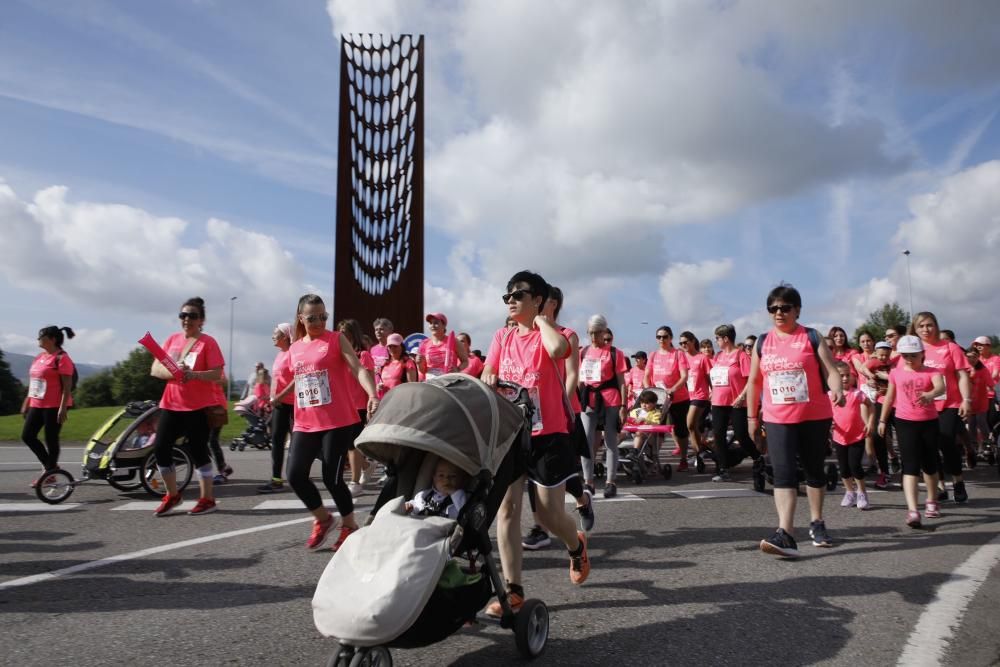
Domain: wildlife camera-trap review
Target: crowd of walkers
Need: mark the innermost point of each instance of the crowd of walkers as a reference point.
(791, 389)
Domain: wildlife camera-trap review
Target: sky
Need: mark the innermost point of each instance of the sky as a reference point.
(662, 162)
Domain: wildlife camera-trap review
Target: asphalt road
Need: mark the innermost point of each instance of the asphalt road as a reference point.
(675, 580)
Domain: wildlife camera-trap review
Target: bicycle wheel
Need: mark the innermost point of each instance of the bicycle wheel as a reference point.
(153, 482)
(55, 486)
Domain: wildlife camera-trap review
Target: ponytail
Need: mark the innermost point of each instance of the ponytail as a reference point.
(58, 334)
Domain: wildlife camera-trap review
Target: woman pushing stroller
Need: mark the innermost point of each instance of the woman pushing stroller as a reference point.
(527, 354)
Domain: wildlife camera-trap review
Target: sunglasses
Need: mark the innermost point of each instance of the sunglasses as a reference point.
(684, 341)
(516, 295)
(662, 337)
(785, 308)
(188, 316)
(892, 335)
(322, 317)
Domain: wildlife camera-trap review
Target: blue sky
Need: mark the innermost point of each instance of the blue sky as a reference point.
(662, 162)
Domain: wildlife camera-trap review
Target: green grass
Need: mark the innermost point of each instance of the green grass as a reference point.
(83, 422)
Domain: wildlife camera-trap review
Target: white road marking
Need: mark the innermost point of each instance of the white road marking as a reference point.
(701, 494)
(111, 560)
(36, 507)
(929, 641)
(150, 505)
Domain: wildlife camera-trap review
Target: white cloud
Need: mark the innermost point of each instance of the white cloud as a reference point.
(684, 288)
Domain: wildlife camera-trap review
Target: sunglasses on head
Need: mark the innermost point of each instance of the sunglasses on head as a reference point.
(516, 295)
(322, 317)
(785, 308)
(188, 316)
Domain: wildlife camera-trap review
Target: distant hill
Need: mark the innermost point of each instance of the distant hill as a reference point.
(21, 363)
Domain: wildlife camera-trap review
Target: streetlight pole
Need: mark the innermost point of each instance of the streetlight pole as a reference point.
(229, 385)
(909, 280)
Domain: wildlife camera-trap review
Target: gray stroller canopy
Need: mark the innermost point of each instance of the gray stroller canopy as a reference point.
(454, 416)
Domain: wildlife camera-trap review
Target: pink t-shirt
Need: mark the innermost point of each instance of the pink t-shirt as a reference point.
(664, 370)
(597, 367)
(523, 359)
(437, 355)
(393, 372)
(948, 358)
(281, 377)
(699, 367)
(475, 367)
(574, 397)
(205, 355)
(793, 390)
(848, 426)
(729, 374)
(980, 390)
(909, 385)
(323, 398)
(44, 380)
(992, 364)
(634, 381)
(358, 394)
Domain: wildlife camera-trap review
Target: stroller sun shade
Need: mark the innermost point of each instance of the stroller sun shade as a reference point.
(454, 416)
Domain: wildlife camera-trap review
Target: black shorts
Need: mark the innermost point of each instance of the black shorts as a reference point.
(679, 418)
(552, 460)
(702, 403)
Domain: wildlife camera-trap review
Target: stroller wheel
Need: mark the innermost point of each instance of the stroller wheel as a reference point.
(531, 628)
(637, 476)
(54, 486)
(667, 471)
(341, 657)
(699, 464)
(377, 656)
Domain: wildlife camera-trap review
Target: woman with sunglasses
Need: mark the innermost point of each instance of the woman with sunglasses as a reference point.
(955, 405)
(49, 385)
(399, 368)
(668, 369)
(282, 405)
(698, 385)
(440, 354)
(729, 373)
(182, 408)
(527, 355)
(892, 335)
(325, 366)
(602, 396)
(786, 376)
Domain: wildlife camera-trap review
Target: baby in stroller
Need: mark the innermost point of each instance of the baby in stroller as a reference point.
(256, 410)
(445, 497)
(646, 423)
(648, 413)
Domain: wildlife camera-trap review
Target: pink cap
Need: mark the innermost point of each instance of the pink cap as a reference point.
(394, 339)
(982, 340)
(437, 316)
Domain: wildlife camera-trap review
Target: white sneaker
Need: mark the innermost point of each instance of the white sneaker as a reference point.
(862, 501)
(849, 499)
(364, 478)
(355, 489)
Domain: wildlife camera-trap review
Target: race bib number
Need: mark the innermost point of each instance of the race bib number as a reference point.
(434, 372)
(691, 382)
(720, 376)
(536, 418)
(36, 388)
(788, 387)
(312, 389)
(590, 370)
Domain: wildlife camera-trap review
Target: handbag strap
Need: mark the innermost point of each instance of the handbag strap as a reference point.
(187, 348)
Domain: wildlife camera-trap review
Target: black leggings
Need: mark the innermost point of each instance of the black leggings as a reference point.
(882, 444)
(282, 419)
(679, 418)
(175, 424)
(722, 415)
(918, 446)
(849, 459)
(331, 448)
(34, 420)
(951, 456)
(791, 444)
(216, 449)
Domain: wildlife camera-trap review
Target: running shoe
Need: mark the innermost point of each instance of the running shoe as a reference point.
(610, 490)
(820, 538)
(682, 466)
(913, 519)
(849, 499)
(579, 562)
(586, 513)
(345, 532)
(321, 530)
(942, 494)
(494, 610)
(676, 452)
(931, 510)
(894, 465)
(227, 471)
(589, 488)
(723, 476)
(536, 539)
(203, 506)
(863, 503)
(780, 544)
(274, 486)
(882, 482)
(365, 479)
(168, 503)
(355, 489)
(961, 495)
(219, 479)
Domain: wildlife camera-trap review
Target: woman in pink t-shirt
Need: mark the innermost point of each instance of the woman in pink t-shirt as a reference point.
(603, 395)
(977, 423)
(282, 401)
(668, 369)
(475, 365)
(49, 385)
(526, 355)
(786, 375)
(635, 378)
(440, 354)
(955, 405)
(182, 408)
(728, 375)
(399, 368)
(698, 386)
(325, 368)
(913, 388)
(383, 328)
(359, 465)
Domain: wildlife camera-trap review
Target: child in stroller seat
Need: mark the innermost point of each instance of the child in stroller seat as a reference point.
(647, 413)
(446, 495)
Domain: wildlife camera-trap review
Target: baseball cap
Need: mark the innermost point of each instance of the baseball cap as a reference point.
(639, 355)
(437, 316)
(883, 345)
(394, 339)
(909, 345)
(982, 340)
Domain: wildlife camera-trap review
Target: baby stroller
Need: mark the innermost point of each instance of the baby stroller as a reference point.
(258, 431)
(384, 588)
(639, 464)
(121, 453)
